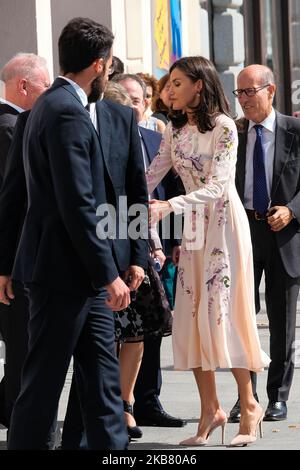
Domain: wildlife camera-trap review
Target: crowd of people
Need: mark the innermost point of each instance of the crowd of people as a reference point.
(71, 290)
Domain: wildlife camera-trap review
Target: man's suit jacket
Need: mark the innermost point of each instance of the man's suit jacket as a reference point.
(67, 180)
(169, 187)
(8, 117)
(13, 198)
(124, 162)
(285, 190)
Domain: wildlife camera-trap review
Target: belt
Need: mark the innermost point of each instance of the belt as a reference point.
(252, 214)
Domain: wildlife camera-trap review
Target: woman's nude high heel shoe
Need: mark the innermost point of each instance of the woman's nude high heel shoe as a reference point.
(242, 440)
(202, 441)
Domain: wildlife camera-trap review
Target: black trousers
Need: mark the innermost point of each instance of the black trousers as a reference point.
(146, 394)
(281, 293)
(60, 326)
(14, 321)
(149, 380)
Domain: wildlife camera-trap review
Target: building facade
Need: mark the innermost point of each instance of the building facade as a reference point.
(151, 34)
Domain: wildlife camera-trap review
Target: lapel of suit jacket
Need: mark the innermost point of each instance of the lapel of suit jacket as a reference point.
(104, 127)
(151, 141)
(241, 160)
(151, 145)
(67, 86)
(283, 144)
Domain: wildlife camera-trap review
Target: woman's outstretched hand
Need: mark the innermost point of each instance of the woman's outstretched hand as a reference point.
(158, 210)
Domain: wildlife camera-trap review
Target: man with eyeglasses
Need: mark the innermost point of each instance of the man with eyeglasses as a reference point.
(268, 183)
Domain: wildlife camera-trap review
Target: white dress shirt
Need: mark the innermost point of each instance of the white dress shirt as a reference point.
(80, 92)
(93, 114)
(268, 137)
(12, 105)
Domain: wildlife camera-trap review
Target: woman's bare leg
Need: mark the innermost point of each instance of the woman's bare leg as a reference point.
(211, 412)
(130, 359)
(251, 411)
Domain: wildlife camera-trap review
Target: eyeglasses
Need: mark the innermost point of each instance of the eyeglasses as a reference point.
(111, 70)
(248, 91)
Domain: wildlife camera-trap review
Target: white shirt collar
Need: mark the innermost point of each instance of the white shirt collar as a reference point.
(269, 123)
(80, 92)
(12, 105)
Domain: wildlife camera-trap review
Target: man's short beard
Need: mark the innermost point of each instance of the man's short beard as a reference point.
(97, 89)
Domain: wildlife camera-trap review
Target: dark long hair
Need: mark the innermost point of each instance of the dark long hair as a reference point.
(213, 101)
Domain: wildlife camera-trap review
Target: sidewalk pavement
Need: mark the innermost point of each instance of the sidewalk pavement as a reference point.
(180, 398)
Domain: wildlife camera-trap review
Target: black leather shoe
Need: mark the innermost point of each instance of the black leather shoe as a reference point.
(161, 419)
(235, 413)
(276, 411)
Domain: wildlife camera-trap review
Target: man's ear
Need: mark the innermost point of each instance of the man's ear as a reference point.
(99, 65)
(272, 90)
(22, 86)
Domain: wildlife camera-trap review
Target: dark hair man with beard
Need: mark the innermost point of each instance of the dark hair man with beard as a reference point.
(72, 275)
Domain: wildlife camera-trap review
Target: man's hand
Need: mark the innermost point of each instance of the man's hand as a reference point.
(134, 277)
(176, 254)
(280, 217)
(119, 295)
(6, 290)
(158, 210)
(159, 254)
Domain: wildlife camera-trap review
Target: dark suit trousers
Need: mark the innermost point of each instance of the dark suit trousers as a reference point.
(60, 326)
(281, 295)
(16, 343)
(146, 394)
(73, 430)
(149, 380)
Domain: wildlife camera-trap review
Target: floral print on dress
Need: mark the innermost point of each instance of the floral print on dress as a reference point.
(205, 331)
(186, 290)
(221, 208)
(225, 146)
(187, 158)
(218, 284)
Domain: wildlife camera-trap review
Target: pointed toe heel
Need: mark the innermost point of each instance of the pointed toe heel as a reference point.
(202, 441)
(242, 440)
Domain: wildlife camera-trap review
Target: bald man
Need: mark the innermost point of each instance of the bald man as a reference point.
(268, 183)
(25, 77)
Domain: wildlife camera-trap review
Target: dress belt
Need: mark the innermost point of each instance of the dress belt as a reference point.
(252, 214)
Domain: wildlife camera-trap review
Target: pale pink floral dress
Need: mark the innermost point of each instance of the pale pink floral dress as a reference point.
(214, 318)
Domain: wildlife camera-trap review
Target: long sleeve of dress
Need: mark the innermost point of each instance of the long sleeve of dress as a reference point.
(222, 170)
(162, 163)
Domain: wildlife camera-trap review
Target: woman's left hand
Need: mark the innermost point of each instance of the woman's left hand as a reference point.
(158, 210)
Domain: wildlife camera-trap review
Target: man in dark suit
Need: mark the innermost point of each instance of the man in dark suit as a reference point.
(148, 409)
(25, 77)
(69, 265)
(268, 182)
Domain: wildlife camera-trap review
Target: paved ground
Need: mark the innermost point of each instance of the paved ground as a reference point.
(180, 398)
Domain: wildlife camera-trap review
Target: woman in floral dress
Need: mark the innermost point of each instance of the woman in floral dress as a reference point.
(214, 321)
